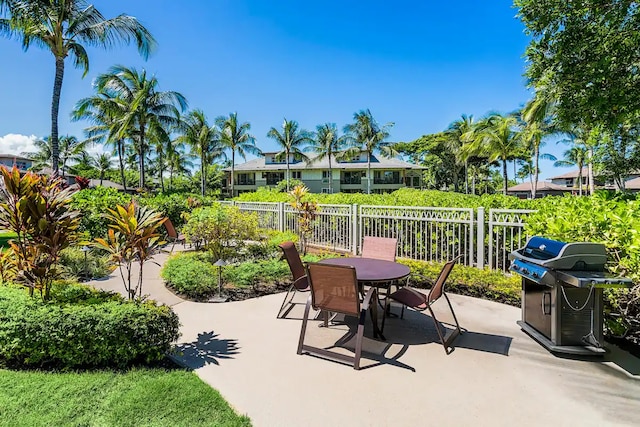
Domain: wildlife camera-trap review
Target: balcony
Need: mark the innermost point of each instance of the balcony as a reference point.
(388, 180)
(245, 182)
(354, 180)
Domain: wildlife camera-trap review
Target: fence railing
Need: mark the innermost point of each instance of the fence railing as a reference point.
(423, 233)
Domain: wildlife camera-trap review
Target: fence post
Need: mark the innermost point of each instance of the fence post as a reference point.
(280, 216)
(480, 239)
(354, 229)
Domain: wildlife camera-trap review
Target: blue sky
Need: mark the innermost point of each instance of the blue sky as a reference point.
(416, 63)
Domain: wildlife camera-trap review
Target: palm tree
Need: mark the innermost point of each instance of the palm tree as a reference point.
(291, 141)
(103, 164)
(497, 138)
(70, 149)
(105, 113)
(42, 157)
(235, 136)
(575, 156)
(457, 135)
(203, 140)
(367, 135)
(177, 160)
(149, 112)
(65, 27)
(328, 144)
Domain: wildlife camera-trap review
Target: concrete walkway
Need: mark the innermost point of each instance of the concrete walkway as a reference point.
(496, 375)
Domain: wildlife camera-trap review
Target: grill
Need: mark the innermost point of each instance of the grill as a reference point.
(562, 287)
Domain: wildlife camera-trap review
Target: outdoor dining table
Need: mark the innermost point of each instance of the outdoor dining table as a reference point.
(374, 272)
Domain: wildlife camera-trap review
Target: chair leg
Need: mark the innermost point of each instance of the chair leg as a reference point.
(438, 326)
(455, 319)
(303, 330)
(446, 343)
(284, 302)
(356, 359)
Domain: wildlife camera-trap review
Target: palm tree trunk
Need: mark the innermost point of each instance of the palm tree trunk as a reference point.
(368, 173)
(288, 170)
(141, 153)
(466, 177)
(55, 107)
(161, 171)
(330, 176)
(504, 176)
(202, 177)
(580, 179)
(233, 169)
(534, 186)
(121, 160)
(473, 183)
(101, 178)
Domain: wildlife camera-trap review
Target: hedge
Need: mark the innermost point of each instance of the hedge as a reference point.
(82, 327)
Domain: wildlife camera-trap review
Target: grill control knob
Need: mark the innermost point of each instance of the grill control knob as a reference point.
(534, 274)
(525, 271)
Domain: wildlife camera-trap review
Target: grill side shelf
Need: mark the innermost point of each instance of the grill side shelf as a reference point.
(583, 279)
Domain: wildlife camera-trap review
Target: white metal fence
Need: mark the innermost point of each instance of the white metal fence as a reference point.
(423, 233)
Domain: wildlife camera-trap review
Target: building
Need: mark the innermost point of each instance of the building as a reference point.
(11, 160)
(348, 176)
(543, 189)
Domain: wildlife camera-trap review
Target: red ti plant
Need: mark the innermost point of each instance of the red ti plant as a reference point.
(37, 209)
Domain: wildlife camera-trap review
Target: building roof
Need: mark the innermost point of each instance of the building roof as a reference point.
(15, 156)
(542, 186)
(376, 163)
(573, 174)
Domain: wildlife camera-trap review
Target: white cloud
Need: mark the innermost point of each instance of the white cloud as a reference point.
(15, 143)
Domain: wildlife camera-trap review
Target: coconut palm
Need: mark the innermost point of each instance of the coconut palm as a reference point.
(203, 140)
(457, 135)
(177, 161)
(104, 112)
(328, 144)
(70, 149)
(575, 156)
(367, 135)
(150, 112)
(66, 27)
(235, 136)
(103, 164)
(41, 158)
(291, 140)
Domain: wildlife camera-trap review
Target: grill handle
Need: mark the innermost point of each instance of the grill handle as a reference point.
(546, 305)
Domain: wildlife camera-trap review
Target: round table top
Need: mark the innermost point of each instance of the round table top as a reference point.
(372, 270)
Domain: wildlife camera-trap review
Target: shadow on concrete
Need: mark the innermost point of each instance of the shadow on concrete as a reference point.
(206, 350)
(497, 344)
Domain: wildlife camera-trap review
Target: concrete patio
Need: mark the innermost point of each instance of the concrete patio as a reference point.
(496, 375)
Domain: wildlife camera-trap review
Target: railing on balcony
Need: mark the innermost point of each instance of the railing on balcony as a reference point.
(245, 182)
(353, 180)
(387, 180)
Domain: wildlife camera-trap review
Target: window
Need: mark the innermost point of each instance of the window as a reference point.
(325, 174)
(354, 177)
(296, 174)
(326, 191)
(246, 179)
(568, 182)
(387, 177)
(274, 177)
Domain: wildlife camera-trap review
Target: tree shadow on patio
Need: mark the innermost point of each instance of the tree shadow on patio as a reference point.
(207, 349)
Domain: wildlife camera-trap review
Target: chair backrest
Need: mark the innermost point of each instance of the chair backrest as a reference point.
(438, 288)
(171, 231)
(379, 248)
(295, 263)
(334, 288)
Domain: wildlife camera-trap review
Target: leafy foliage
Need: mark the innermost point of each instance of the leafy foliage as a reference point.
(191, 274)
(306, 211)
(221, 229)
(175, 206)
(72, 261)
(251, 273)
(93, 203)
(82, 327)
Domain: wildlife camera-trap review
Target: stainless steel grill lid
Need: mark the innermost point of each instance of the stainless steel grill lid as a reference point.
(556, 255)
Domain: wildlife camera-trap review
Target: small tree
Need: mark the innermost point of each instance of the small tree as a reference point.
(37, 209)
(307, 211)
(133, 237)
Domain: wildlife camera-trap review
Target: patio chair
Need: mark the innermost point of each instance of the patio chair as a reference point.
(173, 235)
(379, 248)
(300, 283)
(334, 288)
(417, 300)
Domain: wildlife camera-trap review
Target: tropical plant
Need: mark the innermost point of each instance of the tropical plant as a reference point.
(70, 149)
(65, 27)
(133, 237)
(306, 210)
(236, 137)
(37, 209)
(203, 140)
(149, 113)
(103, 164)
(328, 144)
(291, 140)
(456, 136)
(42, 157)
(574, 156)
(367, 135)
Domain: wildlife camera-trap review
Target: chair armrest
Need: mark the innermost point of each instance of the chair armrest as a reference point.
(426, 279)
(301, 279)
(367, 298)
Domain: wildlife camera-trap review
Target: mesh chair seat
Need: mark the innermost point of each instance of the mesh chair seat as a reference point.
(300, 282)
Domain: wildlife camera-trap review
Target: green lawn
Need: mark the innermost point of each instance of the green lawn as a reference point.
(140, 397)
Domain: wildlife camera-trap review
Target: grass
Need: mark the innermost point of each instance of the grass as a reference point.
(139, 397)
(4, 238)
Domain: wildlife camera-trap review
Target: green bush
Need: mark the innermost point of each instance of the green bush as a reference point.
(191, 274)
(174, 205)
(81, 327)
(72, 260)
(249, 274)
(93, 204)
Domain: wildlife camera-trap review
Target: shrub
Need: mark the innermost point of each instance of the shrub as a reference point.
(93, 203)
(174, 206)
(72, 260)
(251, 273)
(192, 275)
(267, 247)
(218, 228)
(82, 327)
